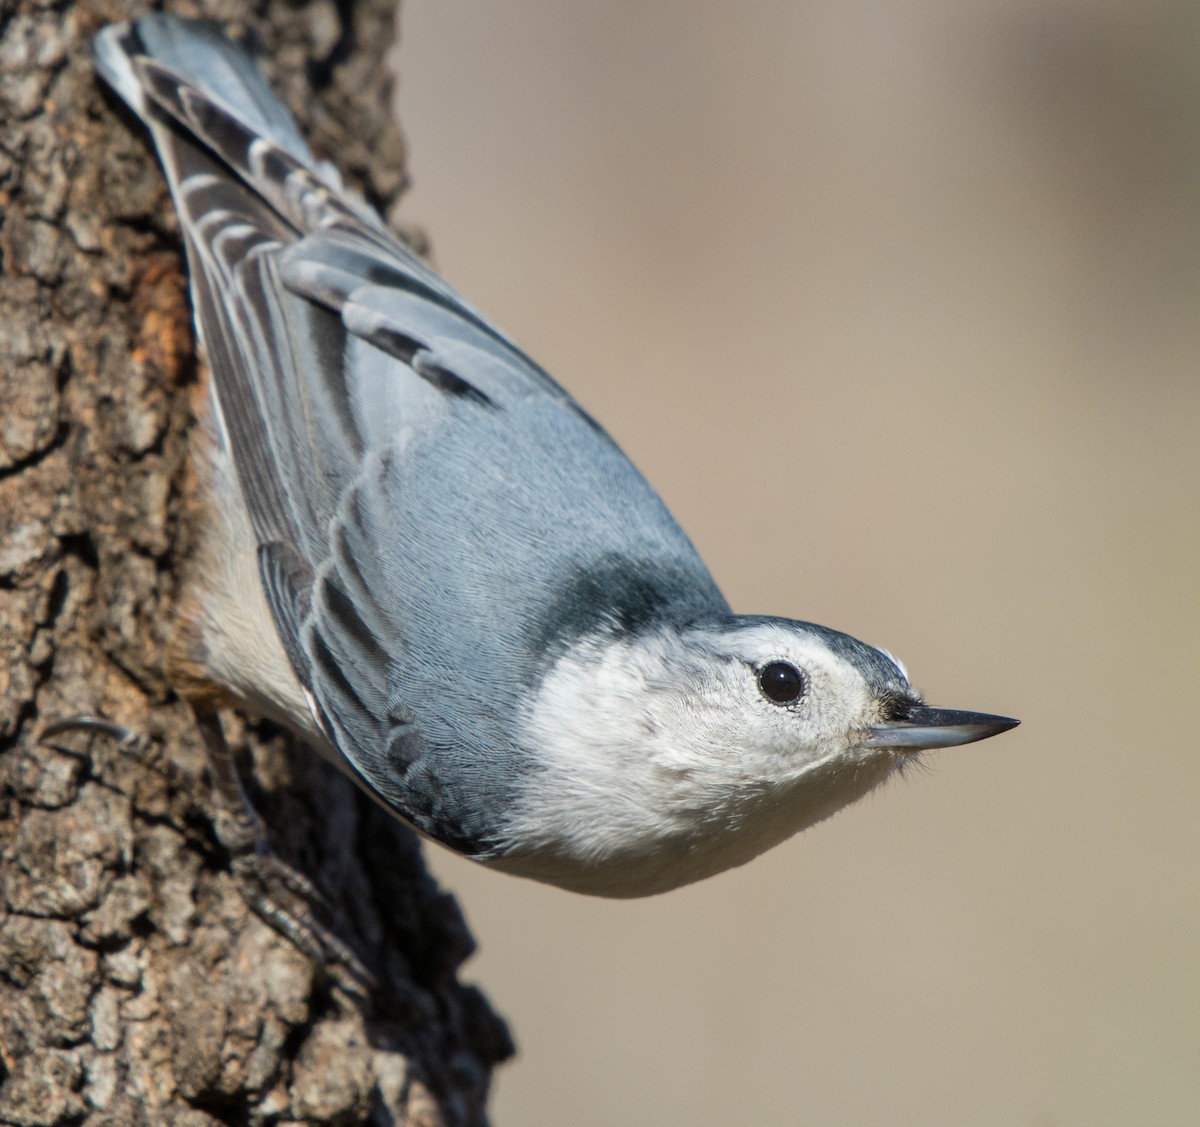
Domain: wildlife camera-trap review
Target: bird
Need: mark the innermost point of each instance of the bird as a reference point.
(429, 562)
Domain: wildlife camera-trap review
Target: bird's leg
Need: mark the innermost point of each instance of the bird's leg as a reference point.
(235, 821)
(260, 873)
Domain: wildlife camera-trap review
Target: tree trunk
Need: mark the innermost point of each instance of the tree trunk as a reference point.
(135, 985)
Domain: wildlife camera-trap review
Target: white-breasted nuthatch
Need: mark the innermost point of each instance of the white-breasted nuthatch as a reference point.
(429, 562)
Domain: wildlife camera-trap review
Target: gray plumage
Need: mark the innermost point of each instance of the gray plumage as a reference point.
(435, 521)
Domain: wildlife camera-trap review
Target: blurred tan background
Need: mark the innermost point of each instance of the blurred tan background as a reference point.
(898, 305)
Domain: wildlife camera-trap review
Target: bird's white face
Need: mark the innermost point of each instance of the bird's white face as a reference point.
(672, 755)
(774, 700)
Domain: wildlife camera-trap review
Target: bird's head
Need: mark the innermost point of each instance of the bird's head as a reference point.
(673, 752)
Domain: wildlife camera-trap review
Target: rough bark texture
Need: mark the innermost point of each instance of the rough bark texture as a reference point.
(135, 986)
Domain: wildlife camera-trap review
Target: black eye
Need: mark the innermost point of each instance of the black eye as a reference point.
(781, 682)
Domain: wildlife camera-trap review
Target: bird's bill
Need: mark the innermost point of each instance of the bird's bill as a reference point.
(927, 728)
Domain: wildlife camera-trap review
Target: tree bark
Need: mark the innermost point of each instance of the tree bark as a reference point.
(135, 985)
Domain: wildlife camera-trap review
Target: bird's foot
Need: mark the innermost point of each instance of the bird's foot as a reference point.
(279, 894)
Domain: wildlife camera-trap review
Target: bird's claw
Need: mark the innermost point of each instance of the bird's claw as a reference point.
(264, 881)
(129, 741)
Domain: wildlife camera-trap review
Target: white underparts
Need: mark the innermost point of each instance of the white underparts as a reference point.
(242, 647)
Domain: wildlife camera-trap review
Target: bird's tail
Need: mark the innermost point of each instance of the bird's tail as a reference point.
(134, 59)
(245, 186)
(204, 100)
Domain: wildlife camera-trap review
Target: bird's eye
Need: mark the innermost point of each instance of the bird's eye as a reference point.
(781, 682)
